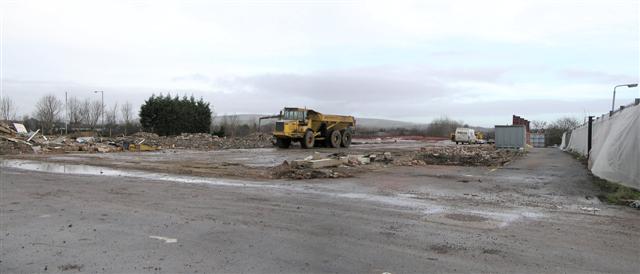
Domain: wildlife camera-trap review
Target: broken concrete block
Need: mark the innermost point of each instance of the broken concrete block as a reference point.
(372, 157)
(361, 159)
(322, 163)
(20, 128)
(317, 156)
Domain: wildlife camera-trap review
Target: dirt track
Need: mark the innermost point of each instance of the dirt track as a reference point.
(525, 217)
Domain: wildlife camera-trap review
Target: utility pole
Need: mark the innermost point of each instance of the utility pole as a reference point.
(613, 102)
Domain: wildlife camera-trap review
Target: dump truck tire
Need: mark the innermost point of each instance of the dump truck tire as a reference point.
(283, 142)
(308, 140)
(346, 138)
(335, 139)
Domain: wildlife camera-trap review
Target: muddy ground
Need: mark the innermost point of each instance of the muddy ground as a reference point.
(537, 214)
(274, 163)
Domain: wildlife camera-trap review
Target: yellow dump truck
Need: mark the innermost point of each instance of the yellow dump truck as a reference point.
(312, 128)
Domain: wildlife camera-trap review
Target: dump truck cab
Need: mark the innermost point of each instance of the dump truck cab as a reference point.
(312, 128)
(293, 123)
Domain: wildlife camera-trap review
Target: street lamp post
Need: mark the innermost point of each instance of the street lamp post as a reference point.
(102, 109)
(613, 103)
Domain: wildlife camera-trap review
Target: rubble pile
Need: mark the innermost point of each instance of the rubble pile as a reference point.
(14, 142)
(11, 142)
(336, 165)
(481, 155)
(199, 141)
(298, 172)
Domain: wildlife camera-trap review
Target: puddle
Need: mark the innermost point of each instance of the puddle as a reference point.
(105, 171)
(61, 168)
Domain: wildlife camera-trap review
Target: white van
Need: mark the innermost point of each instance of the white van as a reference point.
(465, 135)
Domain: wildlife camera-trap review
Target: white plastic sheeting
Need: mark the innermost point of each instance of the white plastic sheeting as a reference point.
(563, 145)
(615, 146)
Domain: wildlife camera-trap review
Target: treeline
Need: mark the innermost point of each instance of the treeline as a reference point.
(553, 130)
(440, 127)
(166, 115)
(55, 115)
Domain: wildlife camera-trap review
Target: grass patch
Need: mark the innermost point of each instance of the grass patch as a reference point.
(578, 156)
(614, 193)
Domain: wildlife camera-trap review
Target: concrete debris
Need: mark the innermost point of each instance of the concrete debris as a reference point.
(20, 129)
(635, 204)
(359, 159)
(297, 172)
(13, 143)
(336, 165)
(320, 163)
(36, 149)
(474, 155)
(201, 141)
(31, 135)
(166, 240)
(84, 140)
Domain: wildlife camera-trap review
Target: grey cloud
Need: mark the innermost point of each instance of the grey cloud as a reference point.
(338, 88)
(417, 94)
(597, 76)
(425, 72)
(195, 77)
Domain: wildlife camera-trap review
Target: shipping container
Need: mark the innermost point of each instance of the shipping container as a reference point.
(511, 136)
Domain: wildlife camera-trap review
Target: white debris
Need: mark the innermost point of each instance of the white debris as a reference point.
(165, 239)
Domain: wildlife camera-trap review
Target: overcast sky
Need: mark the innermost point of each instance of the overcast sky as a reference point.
(477, 61)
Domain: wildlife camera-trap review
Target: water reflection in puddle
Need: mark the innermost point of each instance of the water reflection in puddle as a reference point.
(61, 168)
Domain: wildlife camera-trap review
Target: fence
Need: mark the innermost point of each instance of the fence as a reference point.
(615, 146)
(537, 139)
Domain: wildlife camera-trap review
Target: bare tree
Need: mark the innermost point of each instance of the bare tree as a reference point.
(231, 125)
(554, 131)
(84, 111)
(538, 125)
(442, 127)
(48, 111)
(75, 112)
(111, 116)
(30, 123)
(125, 112)
(7, 109)
(91, 111)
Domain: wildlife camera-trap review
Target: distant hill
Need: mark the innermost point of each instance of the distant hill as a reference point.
(360, 122)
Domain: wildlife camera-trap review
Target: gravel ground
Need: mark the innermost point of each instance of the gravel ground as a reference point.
(538, 214)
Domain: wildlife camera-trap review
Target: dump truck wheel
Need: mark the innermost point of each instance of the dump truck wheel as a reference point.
(335, 139)
(346, 138)
(308, 140)
(283, 142)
